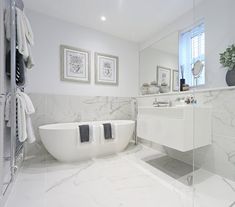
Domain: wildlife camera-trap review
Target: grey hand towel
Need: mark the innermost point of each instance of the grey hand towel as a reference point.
(84, 133)
(107, 131)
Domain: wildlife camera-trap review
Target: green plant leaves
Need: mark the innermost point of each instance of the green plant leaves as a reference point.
(227, 58)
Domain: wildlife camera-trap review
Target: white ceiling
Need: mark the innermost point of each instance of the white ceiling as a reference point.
(135, 20)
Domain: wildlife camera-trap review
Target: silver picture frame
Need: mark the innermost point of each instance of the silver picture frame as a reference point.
(163, 76)
(175, 80)
(75, 64)
(106, 69)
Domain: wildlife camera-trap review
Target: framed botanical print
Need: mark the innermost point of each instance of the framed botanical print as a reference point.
(75, 64)
(163, 76)
(106, 69)
(175, 80)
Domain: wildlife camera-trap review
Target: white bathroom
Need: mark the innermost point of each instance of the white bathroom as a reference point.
(117, 103)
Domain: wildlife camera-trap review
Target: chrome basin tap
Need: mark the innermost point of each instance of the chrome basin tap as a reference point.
(157, 103)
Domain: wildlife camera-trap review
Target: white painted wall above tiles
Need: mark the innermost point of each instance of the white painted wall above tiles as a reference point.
(50, 33)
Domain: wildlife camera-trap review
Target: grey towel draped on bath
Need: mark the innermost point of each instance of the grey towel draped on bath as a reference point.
(84, 133)
(107, 131)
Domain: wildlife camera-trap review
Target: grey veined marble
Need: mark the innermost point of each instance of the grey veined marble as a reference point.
(218, 158)
(67, 108)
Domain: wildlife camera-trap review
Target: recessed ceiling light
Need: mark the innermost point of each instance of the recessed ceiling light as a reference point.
(103, 18)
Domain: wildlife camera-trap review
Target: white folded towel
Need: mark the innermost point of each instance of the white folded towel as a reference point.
(25, 38)
(30, 132)
(24, 109)
(8, 110)
(29, 108)
(21, 118)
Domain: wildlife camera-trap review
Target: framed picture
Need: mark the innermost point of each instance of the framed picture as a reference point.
(106, 69)
(75, 64)
(163, 76)
(175, 80)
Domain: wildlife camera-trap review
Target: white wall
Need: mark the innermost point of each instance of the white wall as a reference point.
(150, 58)
(220, 29)
(178, 24)
(45, 76)
(220, 32)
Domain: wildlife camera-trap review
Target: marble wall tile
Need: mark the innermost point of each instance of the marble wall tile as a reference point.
(219, 158)
(65, 108)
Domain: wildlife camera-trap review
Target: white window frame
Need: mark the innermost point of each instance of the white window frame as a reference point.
(186, 57)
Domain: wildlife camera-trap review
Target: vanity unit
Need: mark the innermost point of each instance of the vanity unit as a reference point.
(182, 128)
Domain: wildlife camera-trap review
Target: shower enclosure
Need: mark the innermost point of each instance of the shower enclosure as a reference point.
(196, 48)
(214, 181)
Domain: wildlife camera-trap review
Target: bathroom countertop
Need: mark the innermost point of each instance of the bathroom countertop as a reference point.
(188, 92)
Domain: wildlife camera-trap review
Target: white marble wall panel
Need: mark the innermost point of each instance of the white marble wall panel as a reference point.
(66, 108)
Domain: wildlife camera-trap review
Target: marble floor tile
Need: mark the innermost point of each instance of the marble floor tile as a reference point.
(122, 180)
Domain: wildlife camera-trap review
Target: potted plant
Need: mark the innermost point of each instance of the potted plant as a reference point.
(227, 60)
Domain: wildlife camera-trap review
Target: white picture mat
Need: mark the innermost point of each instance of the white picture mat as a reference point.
(74, 64)
(163, 76)
(106, 69)
(101, 76)
(83, 73)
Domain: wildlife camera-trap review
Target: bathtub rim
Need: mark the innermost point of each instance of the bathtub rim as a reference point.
(73, 125)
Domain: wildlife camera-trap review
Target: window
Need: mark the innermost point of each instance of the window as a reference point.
(192, 49)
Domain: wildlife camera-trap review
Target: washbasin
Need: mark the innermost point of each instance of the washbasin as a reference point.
(183, 128)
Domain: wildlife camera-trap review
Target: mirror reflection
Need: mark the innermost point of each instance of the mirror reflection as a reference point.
(159, 66)
(195, 50)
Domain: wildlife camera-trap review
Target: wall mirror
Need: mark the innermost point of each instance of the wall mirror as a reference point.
(197, 35)
(159, 61)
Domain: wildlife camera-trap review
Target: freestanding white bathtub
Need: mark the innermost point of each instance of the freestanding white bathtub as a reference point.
(62, 141)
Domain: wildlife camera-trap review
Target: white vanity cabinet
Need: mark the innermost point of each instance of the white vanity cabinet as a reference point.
(182, 128)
